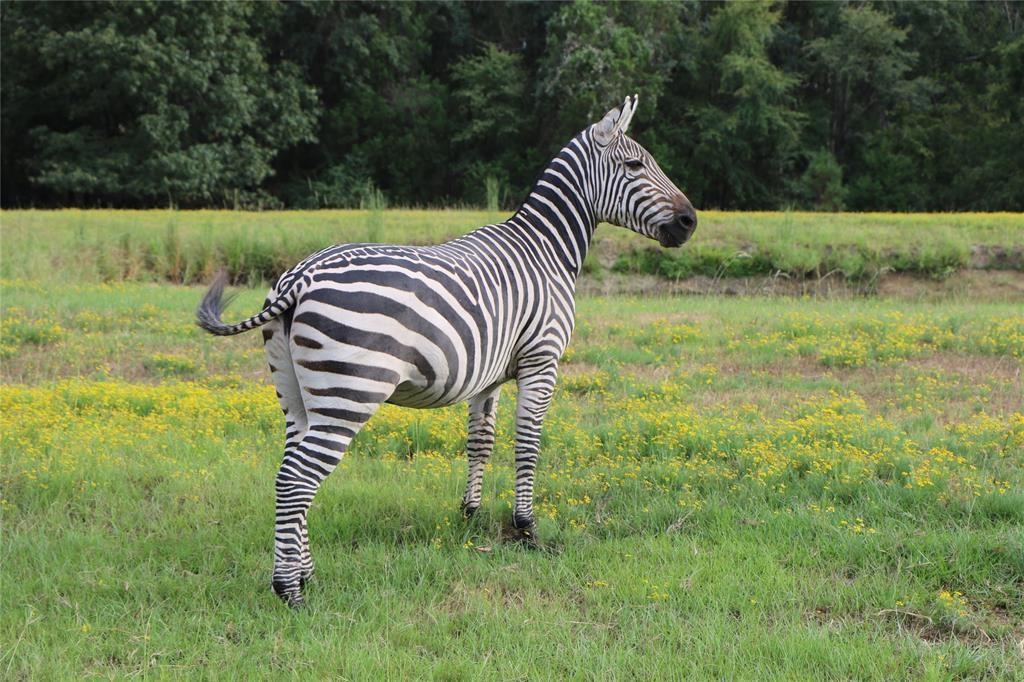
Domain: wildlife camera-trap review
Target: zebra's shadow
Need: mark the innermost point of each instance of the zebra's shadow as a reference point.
(392, 522)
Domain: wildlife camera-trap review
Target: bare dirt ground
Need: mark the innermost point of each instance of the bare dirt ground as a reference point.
(992, 285)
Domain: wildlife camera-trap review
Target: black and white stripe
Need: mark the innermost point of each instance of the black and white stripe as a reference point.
(358, 325)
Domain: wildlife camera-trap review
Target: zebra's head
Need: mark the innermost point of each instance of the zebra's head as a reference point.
(631, 189)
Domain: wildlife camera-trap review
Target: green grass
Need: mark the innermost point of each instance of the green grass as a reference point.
(730, 488)
(190, 246)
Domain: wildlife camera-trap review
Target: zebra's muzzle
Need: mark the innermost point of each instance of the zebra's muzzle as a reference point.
(676, 232)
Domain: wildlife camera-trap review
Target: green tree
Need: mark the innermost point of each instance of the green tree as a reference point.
(489, 91)
(977, 129)
(146, 103)
(866, 71)
(821, 185)
(875, 105)
(745, 123)
(385, 111)
(596, 55)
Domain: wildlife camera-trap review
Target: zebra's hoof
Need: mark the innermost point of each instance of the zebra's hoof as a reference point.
(468, 511)
(289, 593)
(523, 522)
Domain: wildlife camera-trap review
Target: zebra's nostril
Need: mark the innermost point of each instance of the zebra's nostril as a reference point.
(688, 220)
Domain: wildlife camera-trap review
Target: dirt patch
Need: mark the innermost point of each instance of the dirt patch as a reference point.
(802, 366)
(1003, 367)
(985, 256)
(464, 597)
(931, 630)
(643, 373)
(987, 285)
(497, 593)
(998, 379)
(575, 369)
(653, 374)
(991, 285)
(920, 625)
(643, 318)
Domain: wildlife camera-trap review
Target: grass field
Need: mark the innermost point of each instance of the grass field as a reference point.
(735, 487)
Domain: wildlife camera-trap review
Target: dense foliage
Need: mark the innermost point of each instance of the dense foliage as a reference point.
(883, 106)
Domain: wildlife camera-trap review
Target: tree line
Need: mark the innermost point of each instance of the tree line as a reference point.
(904, 106)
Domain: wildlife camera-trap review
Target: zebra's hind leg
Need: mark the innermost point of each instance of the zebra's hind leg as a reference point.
(289, 395)
(333, 423)
(479, 444)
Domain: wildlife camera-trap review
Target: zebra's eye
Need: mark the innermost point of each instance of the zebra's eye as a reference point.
(634, 164)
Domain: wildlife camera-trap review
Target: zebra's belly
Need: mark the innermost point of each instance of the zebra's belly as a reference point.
(411, 394)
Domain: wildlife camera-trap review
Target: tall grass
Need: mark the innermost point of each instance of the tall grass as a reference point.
(372, 198)
(492, 190)
(189, 246)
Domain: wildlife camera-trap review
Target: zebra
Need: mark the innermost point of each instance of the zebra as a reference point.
(357, 325)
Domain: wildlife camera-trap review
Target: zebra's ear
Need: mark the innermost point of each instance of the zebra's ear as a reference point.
(615, 121)
(628, 109)
(604, 130)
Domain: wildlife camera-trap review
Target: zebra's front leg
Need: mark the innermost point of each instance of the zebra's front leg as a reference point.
(532, 404)
(479, 444)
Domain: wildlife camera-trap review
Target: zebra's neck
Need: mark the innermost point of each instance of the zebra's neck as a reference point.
(560, 209)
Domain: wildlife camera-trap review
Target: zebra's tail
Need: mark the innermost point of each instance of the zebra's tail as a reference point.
(213, 304)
